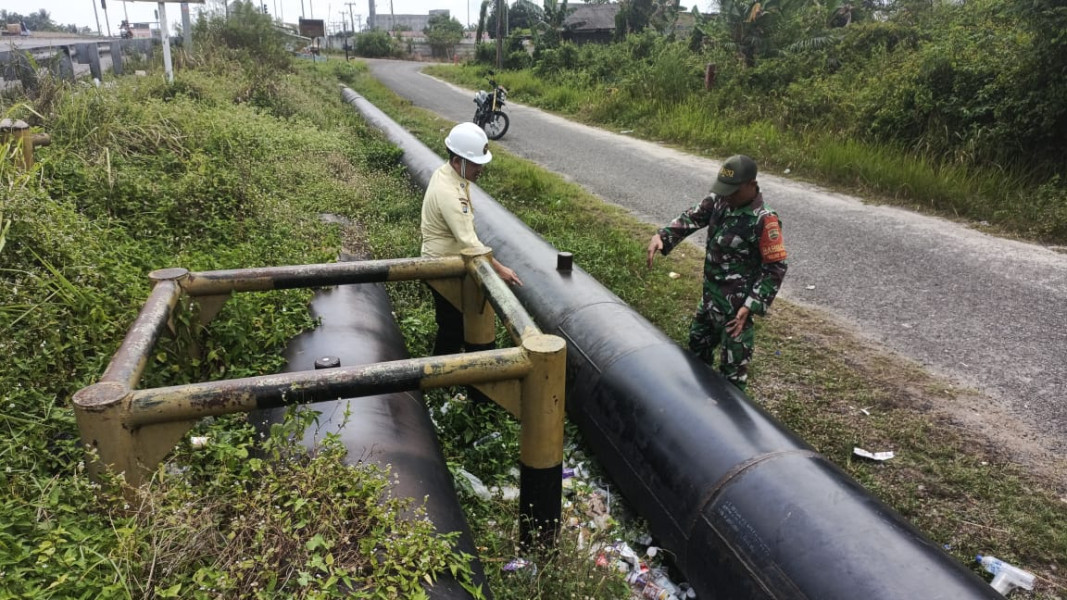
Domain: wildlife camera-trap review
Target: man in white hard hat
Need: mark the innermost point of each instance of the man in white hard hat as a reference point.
(448, 222)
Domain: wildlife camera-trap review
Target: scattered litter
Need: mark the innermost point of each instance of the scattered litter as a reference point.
(140, 73)
(626, 131)
(199, 441)
(809, 287)
(590, 504)
(519, 564)
(865, 411)
(1006, 576)
(477, 487)
(879, 456)
(906, 325)
(488, 438)
(507, 492)
(674, 275)
(787, 171)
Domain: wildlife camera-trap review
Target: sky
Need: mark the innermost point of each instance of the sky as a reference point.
(80, 12)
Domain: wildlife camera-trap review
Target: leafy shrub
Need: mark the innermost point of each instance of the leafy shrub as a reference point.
(376, 44)
(554, 60)
(246, 32)
(485, 53)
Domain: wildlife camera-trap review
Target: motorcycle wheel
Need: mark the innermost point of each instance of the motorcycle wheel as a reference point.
(496, 125)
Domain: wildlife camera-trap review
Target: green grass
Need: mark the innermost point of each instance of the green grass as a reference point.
(1008, 202)
(955, 485)
(222, 170)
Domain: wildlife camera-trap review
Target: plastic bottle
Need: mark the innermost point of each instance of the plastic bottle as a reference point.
(1006, 577)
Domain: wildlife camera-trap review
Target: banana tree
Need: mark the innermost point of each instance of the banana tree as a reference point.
(752, 24)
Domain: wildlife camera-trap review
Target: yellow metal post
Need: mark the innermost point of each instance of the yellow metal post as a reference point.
(102, 412)
(541, 440)
(479, 319)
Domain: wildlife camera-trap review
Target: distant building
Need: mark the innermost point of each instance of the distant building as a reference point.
(590, 23)
(141, 30)
(403, 22)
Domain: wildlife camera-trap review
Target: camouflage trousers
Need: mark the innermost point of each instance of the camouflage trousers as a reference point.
(708, 332)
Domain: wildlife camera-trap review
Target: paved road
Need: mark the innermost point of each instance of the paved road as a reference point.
(988, 312)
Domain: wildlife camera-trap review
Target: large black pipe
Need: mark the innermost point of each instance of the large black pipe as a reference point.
(357, 326)
(749, 510)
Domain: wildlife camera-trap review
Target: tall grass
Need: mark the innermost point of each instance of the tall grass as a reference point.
(659, 100)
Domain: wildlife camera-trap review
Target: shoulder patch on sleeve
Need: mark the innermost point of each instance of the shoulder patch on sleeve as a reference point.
(771, 244)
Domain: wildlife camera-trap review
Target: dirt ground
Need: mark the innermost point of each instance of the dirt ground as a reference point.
(976, 416)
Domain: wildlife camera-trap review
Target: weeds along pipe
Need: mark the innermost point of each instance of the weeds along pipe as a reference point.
(358, 328)
(747, 508)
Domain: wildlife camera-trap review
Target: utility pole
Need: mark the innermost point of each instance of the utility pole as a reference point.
(350, 17)
(344, 24)
(499, 40)
(99, 32)
(107, 21)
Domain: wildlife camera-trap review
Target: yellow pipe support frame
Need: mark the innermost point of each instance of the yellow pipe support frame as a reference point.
(102, 412)
(479, 319)
(541, 440)
(131, 430)
(18, 132)
(129, 361)
(213, 283)
(198, 400)
(515, 318)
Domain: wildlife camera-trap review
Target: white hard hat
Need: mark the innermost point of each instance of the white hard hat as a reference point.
(468, 141)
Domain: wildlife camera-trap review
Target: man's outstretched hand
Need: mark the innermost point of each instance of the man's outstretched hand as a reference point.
(654, 245)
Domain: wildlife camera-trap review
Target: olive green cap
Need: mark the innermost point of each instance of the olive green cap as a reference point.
(736, 170)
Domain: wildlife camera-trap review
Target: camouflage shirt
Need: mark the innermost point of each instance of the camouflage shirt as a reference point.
(745, 261)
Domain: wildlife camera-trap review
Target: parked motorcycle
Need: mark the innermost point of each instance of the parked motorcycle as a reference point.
(489, 115)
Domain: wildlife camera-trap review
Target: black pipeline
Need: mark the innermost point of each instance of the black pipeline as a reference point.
(358, 328)
(748, 509)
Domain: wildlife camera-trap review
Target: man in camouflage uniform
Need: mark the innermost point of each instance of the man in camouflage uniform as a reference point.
(743, 268)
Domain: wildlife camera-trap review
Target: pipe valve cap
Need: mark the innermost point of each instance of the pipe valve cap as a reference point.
(327, 362)
(564, 262)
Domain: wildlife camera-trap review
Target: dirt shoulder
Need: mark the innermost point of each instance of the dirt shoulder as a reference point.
(910, 388)
(971, 476)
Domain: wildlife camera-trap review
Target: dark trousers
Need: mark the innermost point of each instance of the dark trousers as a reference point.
(449, 326)
(449, 338)
(449, 319)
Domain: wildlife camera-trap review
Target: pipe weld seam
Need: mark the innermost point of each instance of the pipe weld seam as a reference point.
(736, 471)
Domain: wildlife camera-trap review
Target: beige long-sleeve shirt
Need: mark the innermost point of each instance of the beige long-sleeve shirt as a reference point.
(447, 215)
